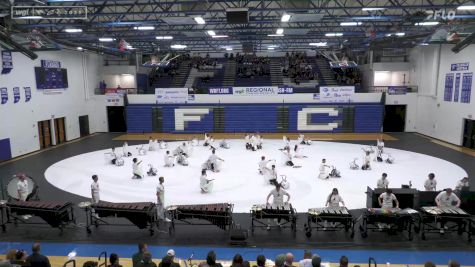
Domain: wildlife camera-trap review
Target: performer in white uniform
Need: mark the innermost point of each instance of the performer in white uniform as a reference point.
(323, 171)
(161, 199)
(260, 140)
(298, 152)
(215, 161)
(169, 159)
(95, 190)
(263, 165)
(387, 198)
(151, 144)
(446, 199)
(271, 175)
(125, 150)
(206, 140)
(366, 161)
(277, 200)
(430, 184)
(286, 142)
(380, 147)
(288, 157)
(301, 140)
(206, 184)
(162, 144)
(22, 187)
(253, 141)
(334, 199)
(461, 184)
(137, 169)
(383, 182)
(224, 144)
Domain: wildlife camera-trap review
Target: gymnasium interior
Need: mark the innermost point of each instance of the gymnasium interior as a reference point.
(149, 133)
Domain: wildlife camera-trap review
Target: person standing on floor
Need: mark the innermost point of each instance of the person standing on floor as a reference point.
(22, 187)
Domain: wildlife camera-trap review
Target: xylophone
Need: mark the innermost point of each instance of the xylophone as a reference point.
(329, 219)
(261, 213)
(142, 214)
(57, 214)
(219, 214)
(434, 219)
(389, 220)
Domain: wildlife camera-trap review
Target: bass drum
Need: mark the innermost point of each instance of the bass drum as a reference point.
(12, 188)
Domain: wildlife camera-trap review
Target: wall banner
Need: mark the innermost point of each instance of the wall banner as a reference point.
(16, 94)
(332, 94)
(467, 80)
(171, 95)
(255, 91)
(7, 62)
(4, 95)
(27, 94)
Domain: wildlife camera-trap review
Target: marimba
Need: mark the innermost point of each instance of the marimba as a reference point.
(431, 217)
(389, 220)
(329, 219)
(57, 214)
(262, 213)
(141, 214)
(219, 214)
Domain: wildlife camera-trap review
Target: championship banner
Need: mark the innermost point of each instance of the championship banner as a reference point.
(7, 62)
(171, 95)
(333, 94)
(397, 90)
(4, 95)
(27, 94)
(16, 94)
(256, 91)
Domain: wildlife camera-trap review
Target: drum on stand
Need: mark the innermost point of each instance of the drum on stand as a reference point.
(12, 188)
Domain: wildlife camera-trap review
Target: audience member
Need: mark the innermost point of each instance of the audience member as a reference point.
(307, 259)
(147, 260)
(237, 261)
(289, 260)
(36, 259)
(316, 261)
(137, 257)
(343, 261)
(453, 263)
(114, 260)
(210, 261)
(429, 264)
(261, 261)
(280, 260)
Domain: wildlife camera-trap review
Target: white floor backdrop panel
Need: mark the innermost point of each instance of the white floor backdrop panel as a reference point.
(239, 182)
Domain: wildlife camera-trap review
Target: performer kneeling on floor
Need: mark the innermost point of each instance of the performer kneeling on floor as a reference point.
(301, 140)
(137, 169)
(277, 200)
(206, 140)
(206, 184)
(447, 199)
(169, 159)
(224, 144)
(323, 171)
(214, 161)
(366, 161)
(263, 165)
(288, 157)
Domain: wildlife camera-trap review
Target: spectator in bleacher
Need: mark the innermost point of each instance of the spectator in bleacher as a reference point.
(260, 261)
(237, 260)
(114, 260)
(210, 261)
(316, 260)
(171, 255)
(5, 263)
(36, 259)
(289, 260)
(147, 260)
(137, 257)
(343, 261)
(280, 260)
(453, 263)
(429, 264)
(16, 257)
(307, 259)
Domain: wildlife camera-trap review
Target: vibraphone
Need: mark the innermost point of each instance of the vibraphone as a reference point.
(261, 213)
(432, 216)
(141, 214)
(329, 219)
(57, 214)
(389, 220)
(219, 214)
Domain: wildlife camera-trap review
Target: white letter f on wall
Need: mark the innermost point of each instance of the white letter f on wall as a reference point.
(182, 116)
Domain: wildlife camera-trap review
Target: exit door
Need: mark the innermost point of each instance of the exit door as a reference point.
(469, 134)
(44, 133)
(59, 130)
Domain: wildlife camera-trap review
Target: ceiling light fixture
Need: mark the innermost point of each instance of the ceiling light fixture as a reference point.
(275, 35)
(106, 39)
(219, 36)
(352, 23)
(178, 46)
(72, 30)
(144, 28)
(285, 18)
(279, 31)
(427, 23)
(333, 34)
(468, 7)
(164, 37)
(199, 20)
(319, 44)
(212, 33)
(373, 8)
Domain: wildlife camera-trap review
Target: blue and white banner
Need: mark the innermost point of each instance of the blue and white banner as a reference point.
(27, 93)
(171, 95)
(16, 94)
(7, 62)
(333, 94)
(220, 91)
(285, 90)
(456, 89)
(397, 90)
(449, 86)
(255, 91)
(4, 95)
(50, 64)
(467, 79)
(459, 66)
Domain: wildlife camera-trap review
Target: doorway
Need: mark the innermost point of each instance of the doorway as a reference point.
(394, 118)
(116, 119)
(44, 134)
(59, 130)
(83, 125)
(469, 134)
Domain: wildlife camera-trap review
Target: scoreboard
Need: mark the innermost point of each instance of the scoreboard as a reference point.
(51, 78)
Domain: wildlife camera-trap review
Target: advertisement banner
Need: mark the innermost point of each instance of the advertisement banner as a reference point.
(459, 66)
(397, 90)
(171, 95)
(16, 94)
(255, 91)
(220, 91)
(332, 94)
(27, 93)
(113, 99)
(7, 62)
(4, 94)
(285, 90)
